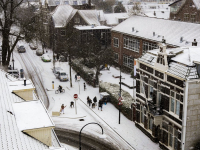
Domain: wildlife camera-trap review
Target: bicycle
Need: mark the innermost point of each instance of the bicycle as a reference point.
(58, 91)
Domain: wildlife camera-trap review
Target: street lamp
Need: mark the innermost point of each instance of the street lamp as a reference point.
(82, 129)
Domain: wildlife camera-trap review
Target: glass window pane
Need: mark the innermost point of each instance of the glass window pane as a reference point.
(170, 140)
(177, 107)
(172, 104)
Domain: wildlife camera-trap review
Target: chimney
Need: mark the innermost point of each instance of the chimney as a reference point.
(154, 33)
(132, 29)
(194, 43)
(92, 25)
(181, 39)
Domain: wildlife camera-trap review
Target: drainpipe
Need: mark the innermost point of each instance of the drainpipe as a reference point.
(184, 115)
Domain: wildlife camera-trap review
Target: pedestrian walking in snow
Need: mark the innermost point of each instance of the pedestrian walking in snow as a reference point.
(88, 99)
(95, 100)
(84, 86)
(100, 104)
(93, 105)
(90, 102)
(71, 104)
(62, 109)
(75, 77)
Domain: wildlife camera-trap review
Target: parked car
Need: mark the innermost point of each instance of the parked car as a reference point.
(21, 49)
(56, 70)
(39, 52)
(14, 72)
(33, 45)
(46, 58)
(62, 76)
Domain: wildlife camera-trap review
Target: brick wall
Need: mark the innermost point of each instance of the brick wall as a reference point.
(193, 115)
(186, 8)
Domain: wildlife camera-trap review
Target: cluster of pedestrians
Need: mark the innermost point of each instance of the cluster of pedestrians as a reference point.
(94, 103)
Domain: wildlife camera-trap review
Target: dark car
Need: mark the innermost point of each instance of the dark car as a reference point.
(21, 49)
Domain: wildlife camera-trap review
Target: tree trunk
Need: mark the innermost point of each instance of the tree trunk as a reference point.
(97, 75)
(70, 70)
(5, 49)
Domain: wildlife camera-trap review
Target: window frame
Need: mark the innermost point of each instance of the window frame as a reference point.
(116, 42)
(77, 20)
(131, 44)
(175, 104)
(75, 2)
(127, 61)
(146, 46)
(116, 57)
(62, 31)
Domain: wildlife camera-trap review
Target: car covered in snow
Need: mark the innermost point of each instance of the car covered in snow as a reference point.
(62, 76)
(21, 49)
(33, 45)
(39, 52)
(46, 58)
(56, 70)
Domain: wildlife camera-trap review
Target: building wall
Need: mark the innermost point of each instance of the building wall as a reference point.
(193, 115)
(189, 8)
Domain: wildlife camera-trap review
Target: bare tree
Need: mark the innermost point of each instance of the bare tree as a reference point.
(15, 24)
(136, 9)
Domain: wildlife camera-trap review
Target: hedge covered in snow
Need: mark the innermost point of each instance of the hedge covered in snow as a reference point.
(113, 90)
(86, 73)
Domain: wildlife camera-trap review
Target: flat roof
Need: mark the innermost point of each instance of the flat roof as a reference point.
(92, 28)
(31, 115)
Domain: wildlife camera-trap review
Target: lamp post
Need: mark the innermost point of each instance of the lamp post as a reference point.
(13, 60)
(82, 129)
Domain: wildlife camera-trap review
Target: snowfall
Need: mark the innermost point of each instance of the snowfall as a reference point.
(124, 135)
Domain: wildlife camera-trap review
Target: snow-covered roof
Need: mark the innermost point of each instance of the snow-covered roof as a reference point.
(62, 15)
(90, 16)
(92, 28)
(69, 2)
(175, 33)
(182, 64)
(31, 115)
(197, 3)
(113, 18)
(101, 15)
(11, 136)
(19, 85)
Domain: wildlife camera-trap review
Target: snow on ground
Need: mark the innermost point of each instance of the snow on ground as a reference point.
(108, 118)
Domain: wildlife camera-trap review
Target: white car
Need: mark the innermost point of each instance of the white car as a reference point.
(62, 76)
(46, 58)
(56, 70)
(33, 45)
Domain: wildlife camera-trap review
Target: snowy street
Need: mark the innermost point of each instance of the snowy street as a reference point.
(125, 135)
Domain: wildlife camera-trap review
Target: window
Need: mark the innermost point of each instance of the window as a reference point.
(83, 2)
(143, 86)
(150, 94)
(175, 103)
(148, 46)
(75, 3)
(150, 123)
(132, 44)
(116, 42)
(77, 20)
(193, 18)
(66, 2)
(116, 57)
(57, 2)
(186, 17)
(142, 114)
(62, 33)
(127, 61)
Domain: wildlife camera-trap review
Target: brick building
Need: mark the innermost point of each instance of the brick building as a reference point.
(136, 35)
(168, 96)
(185, 10)
(63, 20)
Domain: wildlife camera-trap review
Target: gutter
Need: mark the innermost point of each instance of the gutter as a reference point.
(184, 115)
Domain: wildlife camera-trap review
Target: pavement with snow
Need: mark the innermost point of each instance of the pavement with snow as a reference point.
(108, 118)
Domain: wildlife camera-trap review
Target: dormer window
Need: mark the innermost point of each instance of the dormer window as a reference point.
(161, 59)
